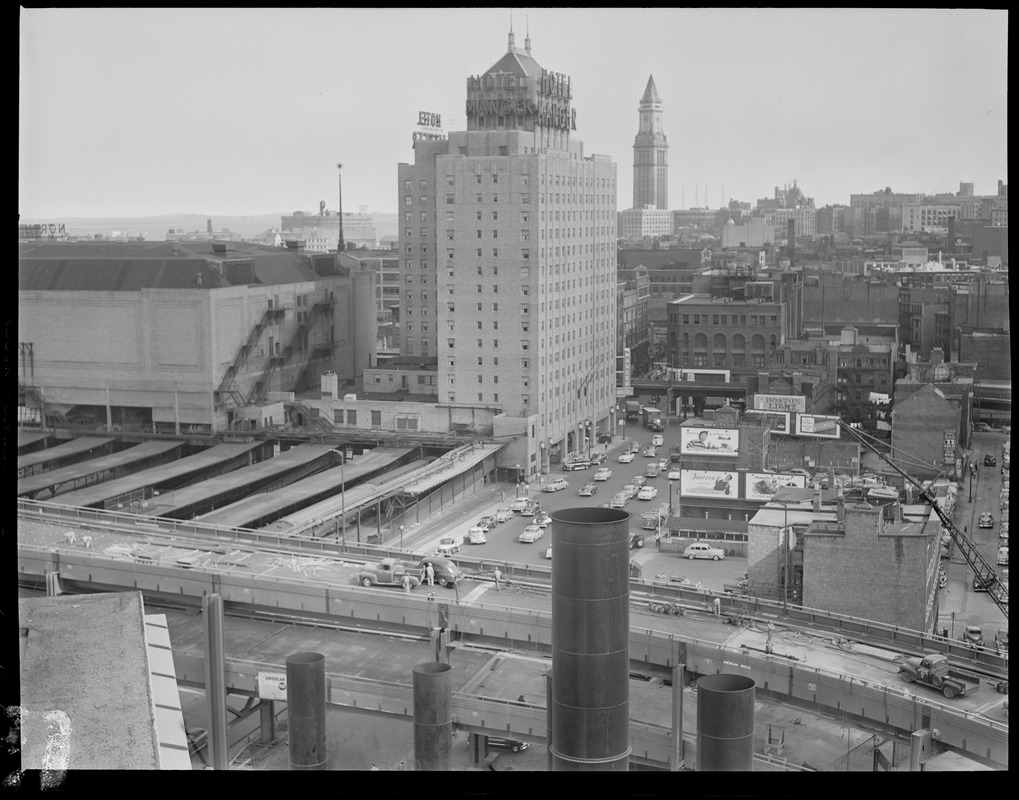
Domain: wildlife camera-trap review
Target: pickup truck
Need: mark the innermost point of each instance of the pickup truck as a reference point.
(934, 670)
(388, 572)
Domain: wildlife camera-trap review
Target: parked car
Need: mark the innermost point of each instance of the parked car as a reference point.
(990, 460)
(625, 458)
(619, 500)
(504, 514)
(447, 546)
(651, 451)
(603, 474)
(657, 440)
(446, 572)
(675, 475)
(983, 427)
(1003, 556)
(986, 520)
(702, 550)
(531, 534)
(476, 536)
(556, 485)
(588, 489)
(520, 504)
(598, 458)
(636, 541)
(647, 493)
(577, 463)
(629, 490)
(542, 519)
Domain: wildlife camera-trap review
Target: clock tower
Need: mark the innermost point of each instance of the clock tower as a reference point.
(650, 153)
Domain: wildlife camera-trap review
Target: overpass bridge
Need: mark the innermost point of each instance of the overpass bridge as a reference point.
(691, 392)
(852, 673)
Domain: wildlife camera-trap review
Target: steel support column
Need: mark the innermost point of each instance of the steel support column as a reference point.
(306, 710)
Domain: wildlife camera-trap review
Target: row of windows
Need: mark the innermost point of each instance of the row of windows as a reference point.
(403, 421)
(727, 319)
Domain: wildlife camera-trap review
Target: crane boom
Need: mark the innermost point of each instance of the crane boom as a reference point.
(985, 574)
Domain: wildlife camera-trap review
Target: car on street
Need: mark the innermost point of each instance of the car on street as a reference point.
(990, 460)
(476, 535)
(633, 447)
(663, 464)
(619, 500)
(556, 485)
(675, 475)
(986, 520)
(603, 474)
(598, 458)
(548, 552)
(629, 490)
(588, 489)
(446, 572)
(503, 514)
(447, 546)
(702, 550)
(1003, 556)
(638, 481)
(651, 451)
(983, 427)
(653, 470)
(636, 541)
(973, 635)
(647, 493)
(542, 519)
(805, 473)
(576, 463)
(514, 745)
(487, 522)
(532, 508)
(531, 534)
(625, 458)
(520, 504)
(657, 440)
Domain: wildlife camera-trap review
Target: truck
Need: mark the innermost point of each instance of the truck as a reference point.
(652, 418)
(934, 670)
(633, 409)
(675, 454)
(388, 572)
(649, 519)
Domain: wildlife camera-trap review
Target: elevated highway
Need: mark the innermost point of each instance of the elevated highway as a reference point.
(851, 673)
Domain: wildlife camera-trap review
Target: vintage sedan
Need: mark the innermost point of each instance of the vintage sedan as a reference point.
(531, 534)
(588, 489)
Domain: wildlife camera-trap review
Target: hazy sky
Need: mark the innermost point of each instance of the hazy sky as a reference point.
(247, 111)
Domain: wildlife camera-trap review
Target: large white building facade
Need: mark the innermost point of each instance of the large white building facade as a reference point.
(507, 248)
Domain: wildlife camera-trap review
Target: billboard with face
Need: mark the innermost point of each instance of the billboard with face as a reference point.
(811, 425)
(709, 441)
(762, 485)
(715, 484)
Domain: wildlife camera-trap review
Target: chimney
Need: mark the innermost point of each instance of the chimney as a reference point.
(208, 226)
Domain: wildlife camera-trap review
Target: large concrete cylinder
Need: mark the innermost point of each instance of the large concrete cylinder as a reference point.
(433, 717)
(725, 723)
(590, 639)
(306, 710)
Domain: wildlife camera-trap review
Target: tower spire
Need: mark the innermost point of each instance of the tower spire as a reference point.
(512, 44)
(527, 35)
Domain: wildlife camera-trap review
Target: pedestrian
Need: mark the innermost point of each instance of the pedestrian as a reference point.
(406, 583)
(718, 606)
(69, 537)
(771, 633)
(658, 540)
(607, 449)
(430, 574)
(498, 577)
(86, 541)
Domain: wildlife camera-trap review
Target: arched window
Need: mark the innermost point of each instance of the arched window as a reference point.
(718, 344)
(757, 343)
(739, 342)
(700, 341)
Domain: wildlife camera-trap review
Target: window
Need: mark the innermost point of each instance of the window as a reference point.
(351, 417)
(449, 235)
(424, 198)
(479, 288)
(376, 419)
(495, 198)
(424, 231)
(503, 150)
(450, 343)
(449, 199)
(525, 198)
(406, 423)
(495, 234)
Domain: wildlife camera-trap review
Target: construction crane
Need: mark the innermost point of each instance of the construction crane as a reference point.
(985, 574)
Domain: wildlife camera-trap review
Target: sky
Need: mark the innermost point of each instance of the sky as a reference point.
(141, 112)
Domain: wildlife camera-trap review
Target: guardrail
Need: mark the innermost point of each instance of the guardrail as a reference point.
(916, 642)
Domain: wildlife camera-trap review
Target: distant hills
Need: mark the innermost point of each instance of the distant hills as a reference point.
(154, 229)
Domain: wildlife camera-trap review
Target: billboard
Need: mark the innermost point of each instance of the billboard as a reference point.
(823, 427)
(709, 441)
(780, 402)
(779, 420)
(715, 484)
(762, 485)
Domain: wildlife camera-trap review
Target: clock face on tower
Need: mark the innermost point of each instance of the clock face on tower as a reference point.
(645, 122)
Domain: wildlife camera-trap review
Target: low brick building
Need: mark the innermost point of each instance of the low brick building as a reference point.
(870, 563)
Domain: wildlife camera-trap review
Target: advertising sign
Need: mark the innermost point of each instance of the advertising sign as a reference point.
(709, 441)
(762, 485)
(272, 685)
(780, 402)
(779, 420)
(823, 427)
(715, 484)
(626, 366)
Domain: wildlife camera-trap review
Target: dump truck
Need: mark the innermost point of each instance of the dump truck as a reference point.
(388, 572)
(652, 418)
(934, 670)
(633, 409)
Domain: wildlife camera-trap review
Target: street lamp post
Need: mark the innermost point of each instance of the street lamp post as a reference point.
(401, 537)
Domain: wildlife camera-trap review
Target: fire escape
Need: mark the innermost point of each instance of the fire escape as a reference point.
(227, 388)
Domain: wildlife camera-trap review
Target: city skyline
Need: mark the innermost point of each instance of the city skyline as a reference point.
(136, 112)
